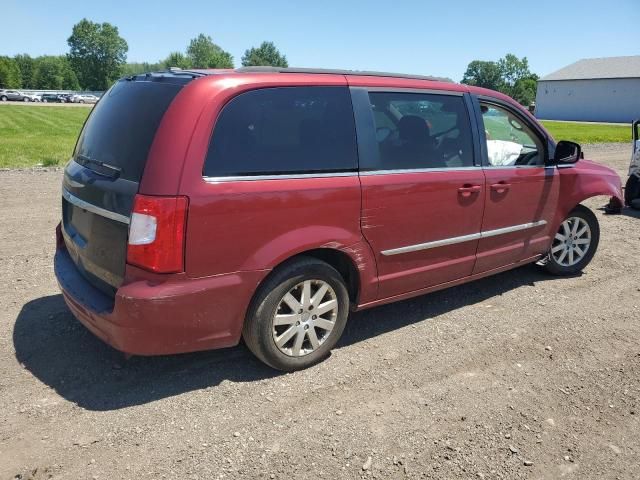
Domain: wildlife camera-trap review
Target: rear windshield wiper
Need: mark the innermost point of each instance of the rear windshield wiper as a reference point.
(108, 169)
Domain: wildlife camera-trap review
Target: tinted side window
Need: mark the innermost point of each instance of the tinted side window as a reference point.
(416, 130)
(284, 130)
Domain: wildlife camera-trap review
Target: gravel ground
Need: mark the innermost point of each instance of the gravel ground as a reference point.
(521, 375)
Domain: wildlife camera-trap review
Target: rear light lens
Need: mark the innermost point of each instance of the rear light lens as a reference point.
(156, 233)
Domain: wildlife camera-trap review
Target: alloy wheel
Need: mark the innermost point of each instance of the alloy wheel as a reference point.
(572, 242)
(305, 317)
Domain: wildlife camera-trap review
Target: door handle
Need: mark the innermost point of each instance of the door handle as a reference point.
(468, 190)
(500, 187)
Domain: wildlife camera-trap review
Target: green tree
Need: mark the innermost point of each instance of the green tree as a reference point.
(509, 75)
(483, 74)
(54, 73)
(129, 69)
(26, 64)
(97, 54)
(203, 53)
(265, 54)
(513, 69)
(524, 90)
(48, 73)
(176, 59)
(69, 78)
(9, 73)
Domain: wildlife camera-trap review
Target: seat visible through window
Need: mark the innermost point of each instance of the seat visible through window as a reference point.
(418, 131)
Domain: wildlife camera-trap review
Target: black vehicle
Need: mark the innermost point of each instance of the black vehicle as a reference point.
(51, 97)
(66, 97)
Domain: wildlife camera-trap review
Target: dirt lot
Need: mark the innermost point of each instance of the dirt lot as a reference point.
(517, 376)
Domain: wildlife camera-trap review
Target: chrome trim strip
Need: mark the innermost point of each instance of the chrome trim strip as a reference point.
(93, 209)
(513, 228)
(463, 238)
(418, 170)
(427, 91)
(509, 167)
(278, 177)
(434, 244)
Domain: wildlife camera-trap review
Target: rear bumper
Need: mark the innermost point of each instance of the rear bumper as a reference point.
(148, 318)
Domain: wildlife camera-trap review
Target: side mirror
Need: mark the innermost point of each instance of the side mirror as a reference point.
(567, 152)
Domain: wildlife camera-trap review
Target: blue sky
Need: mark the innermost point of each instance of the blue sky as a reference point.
(422, 37)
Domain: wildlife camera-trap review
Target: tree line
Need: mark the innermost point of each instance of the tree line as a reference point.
(202, 52)
(97, 57)
(509, 75)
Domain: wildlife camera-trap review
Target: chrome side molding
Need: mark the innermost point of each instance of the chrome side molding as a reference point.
(78, 202)
(293, 176)
(513, 228)
(463, 238)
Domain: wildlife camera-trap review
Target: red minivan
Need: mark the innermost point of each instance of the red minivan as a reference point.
(201, 207)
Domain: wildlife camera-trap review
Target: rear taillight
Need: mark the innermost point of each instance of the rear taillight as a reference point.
(156, 233)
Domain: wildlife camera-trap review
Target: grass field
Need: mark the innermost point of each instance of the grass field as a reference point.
(588, 132)
(32, 136)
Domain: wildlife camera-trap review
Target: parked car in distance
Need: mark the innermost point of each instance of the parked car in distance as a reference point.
(51, 98)
(33, 97)
(66, 97)
(14, 96)
(84, 98)
(265, 203)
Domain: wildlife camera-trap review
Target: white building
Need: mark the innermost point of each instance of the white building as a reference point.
(592, 90)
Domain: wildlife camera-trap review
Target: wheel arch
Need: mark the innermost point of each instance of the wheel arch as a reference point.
(563, 212)
(579, 185)
(338, 259)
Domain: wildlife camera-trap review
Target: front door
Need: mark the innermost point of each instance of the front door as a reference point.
(521, 194)
(422, 191)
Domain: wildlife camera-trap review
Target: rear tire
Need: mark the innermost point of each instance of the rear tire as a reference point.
(25, 100)
(575, 243)
(3, 98)
(631, 190)
(297, 315)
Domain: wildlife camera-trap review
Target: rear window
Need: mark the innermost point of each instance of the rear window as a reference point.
(282, 131)
(121, 127)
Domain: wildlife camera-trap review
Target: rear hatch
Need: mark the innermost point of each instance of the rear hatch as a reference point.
(103, 176)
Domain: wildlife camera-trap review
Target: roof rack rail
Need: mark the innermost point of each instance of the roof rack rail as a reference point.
(329, 71)
(181, 71)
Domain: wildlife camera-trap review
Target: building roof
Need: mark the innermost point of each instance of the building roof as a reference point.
(592, 68)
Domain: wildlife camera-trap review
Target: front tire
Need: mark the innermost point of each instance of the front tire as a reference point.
(297, 315)
(631, 190)
(575, 243)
